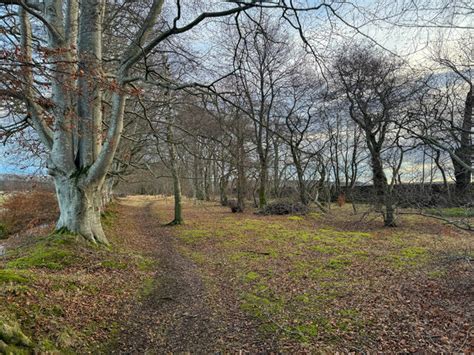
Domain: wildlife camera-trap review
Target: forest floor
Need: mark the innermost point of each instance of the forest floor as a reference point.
(226, 282)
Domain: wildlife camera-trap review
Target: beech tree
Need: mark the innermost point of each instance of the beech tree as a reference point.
(59, 77)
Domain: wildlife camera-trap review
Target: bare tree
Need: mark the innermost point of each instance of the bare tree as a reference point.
(67, 113)
(374, 91)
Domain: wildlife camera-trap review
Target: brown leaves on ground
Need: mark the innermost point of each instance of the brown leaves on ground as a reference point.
(331, 282)
(76, 303)
(24, 210)
(244, 282)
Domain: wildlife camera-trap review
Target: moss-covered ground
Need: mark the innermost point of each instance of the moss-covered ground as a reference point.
(315, 283)
(334, 282)
(61, 295)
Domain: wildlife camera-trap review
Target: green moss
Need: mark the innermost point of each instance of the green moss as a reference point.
(12, 276)
(68, 338)
(108, 217)
(315, 215)
(47, 346)
(192, 235)
(321, 273)
(412, 252)
(13, 349)
(11, 333)
(114, 264)
(145, 264)
(303, 236)
(307, 330)
(349, 320)
(15, 289)
(241, 256)
(437, 274)
(147, 287)
(346, 234)
(50, 258)
(360, 253)
(325, 249)
(197, 257)
(254, 224)
(338, 263)
(349, 312)
(296, 218)
(261, 307)
(304, 298)
(251, 276)
(54, 252)
(411, 256)
(56, 311)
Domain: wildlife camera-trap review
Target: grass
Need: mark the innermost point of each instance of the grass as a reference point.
(52, 285)
(452, 212)
(315, 280)
(411, 256)
(50, 258)
(114, 264)
(12, 276)
(322, 283)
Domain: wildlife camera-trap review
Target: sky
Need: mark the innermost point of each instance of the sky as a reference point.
(414, 43)
(15, 160)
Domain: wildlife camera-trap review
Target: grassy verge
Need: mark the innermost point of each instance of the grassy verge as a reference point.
(58, 293)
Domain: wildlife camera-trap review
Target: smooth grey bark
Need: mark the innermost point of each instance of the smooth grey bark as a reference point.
(79, 210)
(178, 210)
(78, 161)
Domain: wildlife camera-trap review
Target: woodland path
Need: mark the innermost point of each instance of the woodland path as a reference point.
(179, 313)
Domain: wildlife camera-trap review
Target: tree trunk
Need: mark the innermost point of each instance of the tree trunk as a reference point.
(465, 151)
(240, 165)
(262, 194)
(381, 190)
(379, 180)
(276, 168)
(178, 211)
(197, 179)
(389, 215)
(79, 208)
(300, 175)
(178, 217)
(443, 174)
(206, 181)
(223, 182)
(107, 191)
(241, 186)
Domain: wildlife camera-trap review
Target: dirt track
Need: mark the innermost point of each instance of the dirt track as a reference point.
(178, 313)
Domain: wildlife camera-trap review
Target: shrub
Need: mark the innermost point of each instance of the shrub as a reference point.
(25, 210)
(284, 207)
